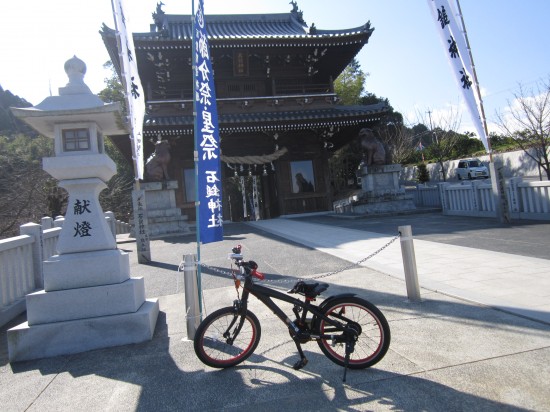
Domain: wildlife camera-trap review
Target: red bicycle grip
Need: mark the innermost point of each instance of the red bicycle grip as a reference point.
(257, 274)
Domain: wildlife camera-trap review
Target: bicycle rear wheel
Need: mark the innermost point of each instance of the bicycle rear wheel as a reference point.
(372, 341)
(225, 338)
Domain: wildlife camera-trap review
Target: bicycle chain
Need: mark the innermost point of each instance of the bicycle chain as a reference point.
(353, 265)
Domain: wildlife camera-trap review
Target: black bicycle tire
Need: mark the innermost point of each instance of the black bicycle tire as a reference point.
(363, 342)
(199, 341)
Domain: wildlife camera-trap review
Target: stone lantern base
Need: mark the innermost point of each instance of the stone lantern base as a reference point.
(89, 302)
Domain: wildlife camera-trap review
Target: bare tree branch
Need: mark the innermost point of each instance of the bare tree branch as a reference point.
(527, 122)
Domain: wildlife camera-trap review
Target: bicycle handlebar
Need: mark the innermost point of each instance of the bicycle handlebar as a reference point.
(249, 268)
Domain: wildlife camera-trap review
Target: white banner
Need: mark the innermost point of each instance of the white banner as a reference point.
(132, 84)
(453, 39)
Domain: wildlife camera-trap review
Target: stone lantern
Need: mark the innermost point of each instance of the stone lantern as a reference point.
(89, 300)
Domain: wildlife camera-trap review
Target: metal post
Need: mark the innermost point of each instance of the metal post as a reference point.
(192, 308)
(409, 263)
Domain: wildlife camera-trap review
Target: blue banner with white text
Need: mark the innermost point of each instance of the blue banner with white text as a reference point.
(209, 185)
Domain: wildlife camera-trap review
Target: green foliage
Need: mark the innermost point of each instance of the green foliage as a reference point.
(464, 146)
(117, 198)
(422, 175)
(114, 90)
(350, 84)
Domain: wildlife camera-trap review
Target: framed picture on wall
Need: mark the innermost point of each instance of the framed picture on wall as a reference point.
(303, 179)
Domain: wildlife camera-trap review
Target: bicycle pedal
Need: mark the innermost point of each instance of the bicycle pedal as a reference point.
(300, 364)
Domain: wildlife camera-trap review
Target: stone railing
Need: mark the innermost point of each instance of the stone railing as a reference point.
(22, 257)
(526, 200)
(425, 196)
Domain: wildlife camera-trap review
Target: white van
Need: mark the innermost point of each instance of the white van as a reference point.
(471, 169)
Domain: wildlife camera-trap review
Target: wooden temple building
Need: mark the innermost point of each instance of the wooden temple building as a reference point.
(279, 117)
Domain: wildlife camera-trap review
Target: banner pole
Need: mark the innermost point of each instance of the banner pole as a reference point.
(196, 162)
(139, 207)
(497, 181)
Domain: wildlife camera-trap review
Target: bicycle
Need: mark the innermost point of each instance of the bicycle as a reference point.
(350, 331)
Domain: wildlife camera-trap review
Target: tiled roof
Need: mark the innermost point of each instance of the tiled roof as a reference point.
(247, 26)
(280, 120)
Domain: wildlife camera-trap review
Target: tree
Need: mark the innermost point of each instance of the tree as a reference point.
(114, 90)
(527, 123)
(117, 198)
(349, 86)
(24, 186)
(422, 175)
(396, 137)
(444, 139)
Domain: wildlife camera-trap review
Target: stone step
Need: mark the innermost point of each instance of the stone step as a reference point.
(27, 342)
(62, 305)
(81, 270)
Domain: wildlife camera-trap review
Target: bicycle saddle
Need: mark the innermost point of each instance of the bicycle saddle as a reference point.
(309, 289)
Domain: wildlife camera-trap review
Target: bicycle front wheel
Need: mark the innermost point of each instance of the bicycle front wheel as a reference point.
(225, 338)
(373, 332)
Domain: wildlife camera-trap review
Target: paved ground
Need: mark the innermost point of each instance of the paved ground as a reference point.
(447, 352)
(503, 266)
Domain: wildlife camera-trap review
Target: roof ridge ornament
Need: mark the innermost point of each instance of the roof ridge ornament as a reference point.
(313, 29)
(158, 16)
(298, 14)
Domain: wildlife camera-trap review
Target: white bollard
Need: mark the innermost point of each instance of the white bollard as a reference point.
(192, 309)
(409, 263)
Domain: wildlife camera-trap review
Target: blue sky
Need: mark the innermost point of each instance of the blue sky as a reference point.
(510, 41)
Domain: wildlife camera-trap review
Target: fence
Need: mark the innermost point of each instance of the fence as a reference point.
(21, 260)
(526, 200)
(425, 195)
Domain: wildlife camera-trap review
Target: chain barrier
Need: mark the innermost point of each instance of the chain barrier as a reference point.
(351, 266)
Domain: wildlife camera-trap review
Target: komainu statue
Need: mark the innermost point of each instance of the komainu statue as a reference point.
(373, 149)
(156, 168)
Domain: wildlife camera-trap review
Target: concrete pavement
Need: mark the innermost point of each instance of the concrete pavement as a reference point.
(511, 282)
(447, 353)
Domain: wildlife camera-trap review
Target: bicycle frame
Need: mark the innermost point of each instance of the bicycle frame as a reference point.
(265, 295)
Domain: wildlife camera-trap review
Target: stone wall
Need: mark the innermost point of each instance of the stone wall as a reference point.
(516, 164)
